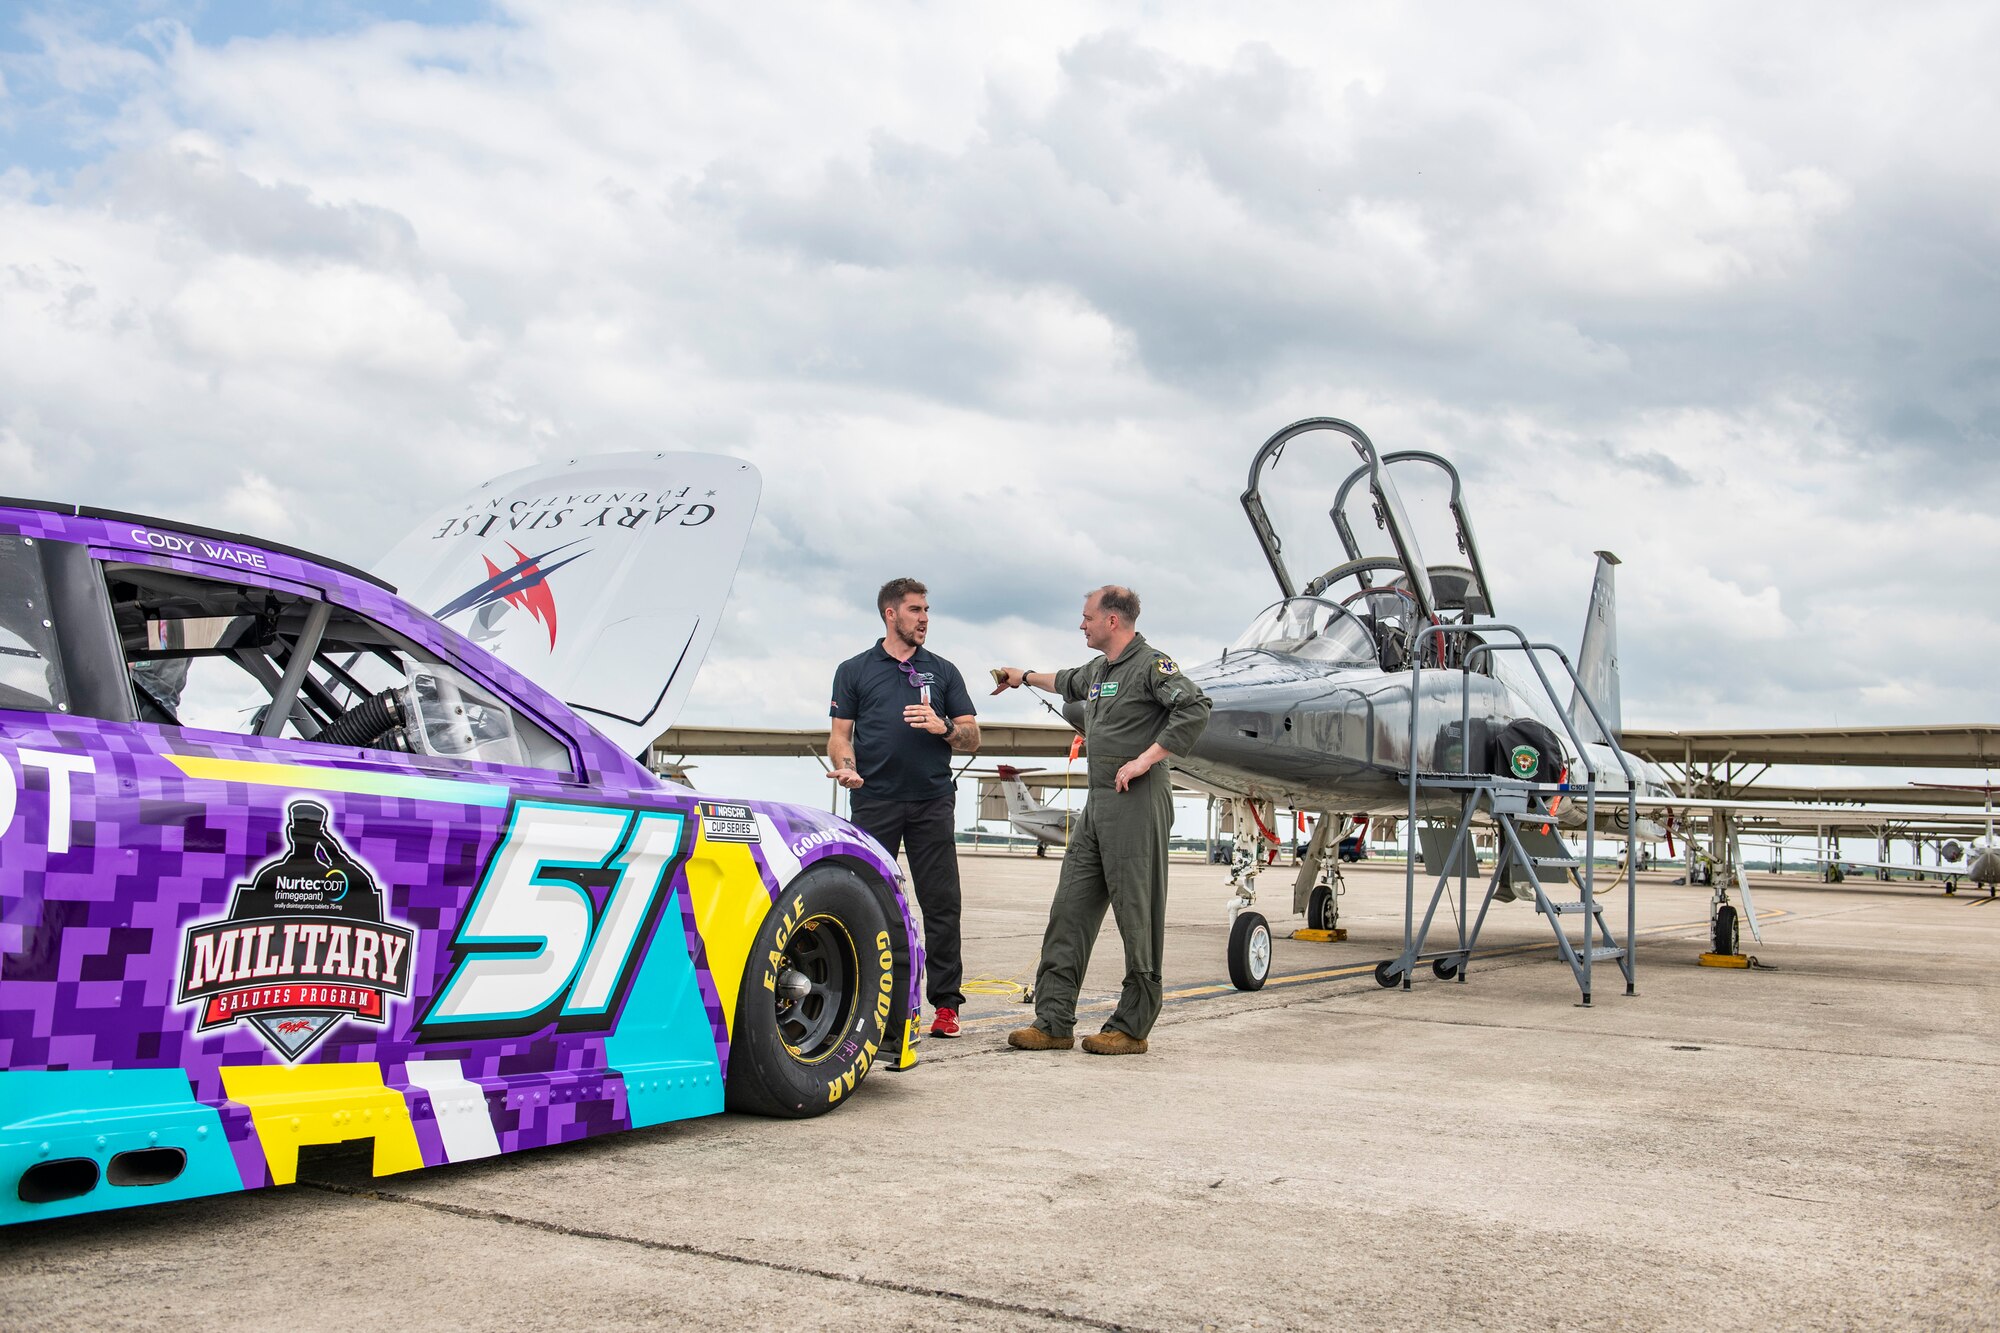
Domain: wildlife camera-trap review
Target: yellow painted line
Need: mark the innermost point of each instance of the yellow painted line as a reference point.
(1367, 969)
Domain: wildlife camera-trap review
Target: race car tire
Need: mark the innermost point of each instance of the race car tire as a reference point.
(813, 1011)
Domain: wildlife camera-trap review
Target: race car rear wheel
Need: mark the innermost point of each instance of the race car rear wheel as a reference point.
(812, 1015)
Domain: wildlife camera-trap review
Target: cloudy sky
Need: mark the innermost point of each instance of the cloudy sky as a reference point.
(1004, 296)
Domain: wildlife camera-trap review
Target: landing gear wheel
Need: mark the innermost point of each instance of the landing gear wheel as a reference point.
(1951, 888)
(1387, 974)
(1249, 951)
(1319, 909)
(1444, 969)
(814, 1008)
(1725, 929)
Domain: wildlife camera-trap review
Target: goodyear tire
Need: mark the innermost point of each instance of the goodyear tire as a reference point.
(1249, 951)
(812, 1015)
(1725, 930)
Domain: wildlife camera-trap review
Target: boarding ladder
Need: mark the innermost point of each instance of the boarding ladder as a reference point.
(1528, 852)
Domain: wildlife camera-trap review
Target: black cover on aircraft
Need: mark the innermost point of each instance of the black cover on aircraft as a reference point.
(1528, 751)
(1451, 753)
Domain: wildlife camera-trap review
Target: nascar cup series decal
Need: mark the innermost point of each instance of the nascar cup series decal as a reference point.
(305, 945)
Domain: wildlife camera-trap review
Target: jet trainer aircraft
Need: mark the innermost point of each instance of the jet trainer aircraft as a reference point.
(1313, 702)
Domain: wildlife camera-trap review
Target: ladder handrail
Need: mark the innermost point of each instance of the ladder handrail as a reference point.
(1586, 882)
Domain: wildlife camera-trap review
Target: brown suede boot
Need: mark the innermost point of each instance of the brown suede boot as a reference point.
(1034, 1039)
(1113, 1042)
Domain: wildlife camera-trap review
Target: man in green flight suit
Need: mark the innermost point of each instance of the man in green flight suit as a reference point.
(1138, 711)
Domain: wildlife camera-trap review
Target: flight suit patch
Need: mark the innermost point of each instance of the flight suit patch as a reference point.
(1165, 666)
(1108, 690)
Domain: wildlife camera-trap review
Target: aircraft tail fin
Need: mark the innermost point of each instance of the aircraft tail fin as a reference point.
(1597, 659)
(1019, 800)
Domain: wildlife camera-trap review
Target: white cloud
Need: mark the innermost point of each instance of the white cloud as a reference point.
(1665, 214)
(254, 314)
(1005, 297)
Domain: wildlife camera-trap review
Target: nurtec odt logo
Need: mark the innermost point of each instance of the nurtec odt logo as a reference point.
(304, 946)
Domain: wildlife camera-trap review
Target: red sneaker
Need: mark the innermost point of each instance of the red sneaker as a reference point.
(945, 1023)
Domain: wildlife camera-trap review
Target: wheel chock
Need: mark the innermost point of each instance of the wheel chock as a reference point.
(1334, 936)
(1724, 960)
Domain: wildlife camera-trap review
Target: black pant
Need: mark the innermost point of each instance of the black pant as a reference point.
(923, 829)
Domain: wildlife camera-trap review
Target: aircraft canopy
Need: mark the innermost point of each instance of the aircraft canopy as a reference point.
(1312, 628)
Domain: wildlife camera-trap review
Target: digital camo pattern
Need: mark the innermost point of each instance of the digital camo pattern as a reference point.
(116, 840)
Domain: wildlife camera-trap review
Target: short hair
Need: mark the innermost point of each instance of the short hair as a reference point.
(895, 590)
(1123, 601)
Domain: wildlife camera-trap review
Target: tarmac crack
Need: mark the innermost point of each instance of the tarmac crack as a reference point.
(497, 1217)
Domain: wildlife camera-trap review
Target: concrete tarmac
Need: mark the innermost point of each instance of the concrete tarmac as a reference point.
(1806, 1147)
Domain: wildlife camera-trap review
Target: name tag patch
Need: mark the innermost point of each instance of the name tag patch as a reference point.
(1108, 689)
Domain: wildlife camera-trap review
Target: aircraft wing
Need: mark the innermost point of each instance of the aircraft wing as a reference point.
(601, 579)
(1942, 872)
(1830, 814)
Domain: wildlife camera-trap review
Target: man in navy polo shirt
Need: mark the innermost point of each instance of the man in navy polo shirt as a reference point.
(899, 713)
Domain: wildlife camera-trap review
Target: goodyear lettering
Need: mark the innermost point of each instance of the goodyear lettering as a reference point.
(843, 1083)
(817, 838)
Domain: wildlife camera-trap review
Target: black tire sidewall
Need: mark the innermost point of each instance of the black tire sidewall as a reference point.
(1240, 934)
(1725, 930)
(765, 1078)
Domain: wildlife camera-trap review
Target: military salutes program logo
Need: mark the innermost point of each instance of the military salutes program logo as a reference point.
(305, 944)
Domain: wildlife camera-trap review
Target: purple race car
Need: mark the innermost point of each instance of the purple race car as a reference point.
(284, 861)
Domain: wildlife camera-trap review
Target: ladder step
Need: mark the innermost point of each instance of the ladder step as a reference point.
(1577, 906)
(1599, 955)
(1555, 861)
(1532, 816)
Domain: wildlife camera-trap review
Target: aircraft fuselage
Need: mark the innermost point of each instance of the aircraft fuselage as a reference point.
(1331, 738)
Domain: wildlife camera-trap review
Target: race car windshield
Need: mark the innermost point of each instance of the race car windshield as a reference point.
(1312, 628)
(213, 656)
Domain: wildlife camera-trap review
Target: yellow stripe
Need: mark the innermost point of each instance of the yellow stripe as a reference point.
(293, 1105)
(730, 903)
(358, 782)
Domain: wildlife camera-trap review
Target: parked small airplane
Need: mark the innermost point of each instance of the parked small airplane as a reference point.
(1981, 857)
(1048, 825)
